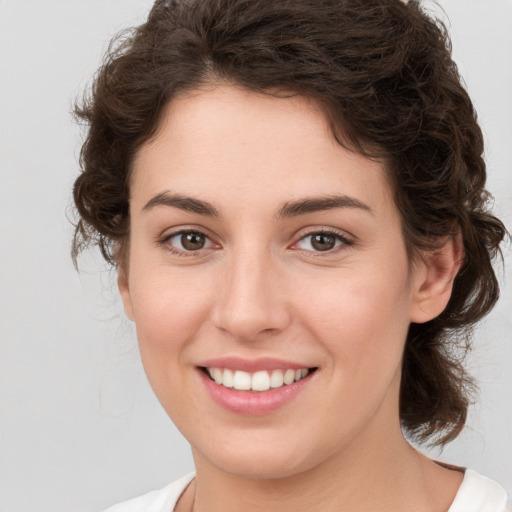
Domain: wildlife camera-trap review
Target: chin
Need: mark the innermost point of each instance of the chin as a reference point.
(260, 460)
(261, 468)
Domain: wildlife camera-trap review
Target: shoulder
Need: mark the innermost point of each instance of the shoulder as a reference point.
(478, 493)
(162, 500)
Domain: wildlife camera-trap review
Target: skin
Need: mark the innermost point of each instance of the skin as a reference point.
(259, 288)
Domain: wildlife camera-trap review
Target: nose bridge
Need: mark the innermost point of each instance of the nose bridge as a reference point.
(251, 303)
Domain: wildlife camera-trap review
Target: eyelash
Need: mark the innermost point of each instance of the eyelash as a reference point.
(339, 237)
(164, 242)
(345, 242)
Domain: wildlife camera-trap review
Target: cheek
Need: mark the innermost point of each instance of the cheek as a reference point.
(168, 315)
(168, 311)
(361, 318)
(362, 326)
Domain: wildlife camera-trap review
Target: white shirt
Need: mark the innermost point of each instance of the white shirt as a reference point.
(477, 493)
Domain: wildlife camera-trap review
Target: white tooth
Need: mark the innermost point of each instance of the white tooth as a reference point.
(298, 375)
(303, 372)
(276, 379)
(210, 371)
(242, 380)
(217, 375)
(260, 381)
(227, 378)
(289, 376)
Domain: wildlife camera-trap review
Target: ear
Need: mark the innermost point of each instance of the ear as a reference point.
(124, 290)
(433, 278)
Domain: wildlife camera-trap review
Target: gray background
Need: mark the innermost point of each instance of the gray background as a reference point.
(79, 426)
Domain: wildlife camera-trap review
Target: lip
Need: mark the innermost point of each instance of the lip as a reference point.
(252, 403)
(252, 365)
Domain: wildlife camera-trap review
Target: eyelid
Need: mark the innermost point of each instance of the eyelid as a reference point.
(346, 239)
(166, 236)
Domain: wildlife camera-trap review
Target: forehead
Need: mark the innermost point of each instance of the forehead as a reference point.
(237, 143)
(235, 117)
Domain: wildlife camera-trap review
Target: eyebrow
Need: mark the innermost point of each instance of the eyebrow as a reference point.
(318, 204)
(189, 204)
(289, 209)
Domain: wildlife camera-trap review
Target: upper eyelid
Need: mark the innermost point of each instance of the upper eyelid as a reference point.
(164, 242)
(309, 231)
(163, 239)
(171, 232)
(343, 239)
(186, 232)
(328, 231)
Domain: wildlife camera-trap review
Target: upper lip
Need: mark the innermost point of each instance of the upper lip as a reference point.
(252, 365)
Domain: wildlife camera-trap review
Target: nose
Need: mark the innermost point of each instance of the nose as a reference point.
(252, 303)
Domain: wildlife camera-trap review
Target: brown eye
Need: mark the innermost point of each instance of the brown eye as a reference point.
(193, 241)
(323, 242)
(188, 243)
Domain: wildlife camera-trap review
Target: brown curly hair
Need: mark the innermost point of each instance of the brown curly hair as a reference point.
(383, 74)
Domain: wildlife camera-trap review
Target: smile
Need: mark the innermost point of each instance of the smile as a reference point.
(255, 387)
(258, 381)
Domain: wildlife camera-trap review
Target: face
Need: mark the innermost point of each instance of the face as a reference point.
(269, 284)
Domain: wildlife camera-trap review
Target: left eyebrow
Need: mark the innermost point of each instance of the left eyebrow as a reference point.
(318, 204)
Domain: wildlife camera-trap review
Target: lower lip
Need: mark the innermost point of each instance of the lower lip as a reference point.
(253, 403)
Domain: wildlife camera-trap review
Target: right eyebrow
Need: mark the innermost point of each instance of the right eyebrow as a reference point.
(186, 203)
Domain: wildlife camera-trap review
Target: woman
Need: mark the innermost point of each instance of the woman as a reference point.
(292, 193)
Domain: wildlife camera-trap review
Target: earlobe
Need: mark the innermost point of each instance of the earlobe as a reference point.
(124, 290)
(433, 279)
